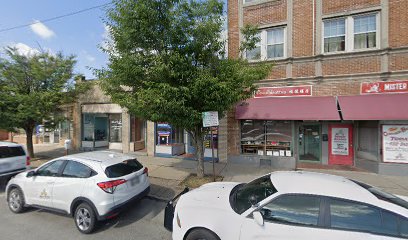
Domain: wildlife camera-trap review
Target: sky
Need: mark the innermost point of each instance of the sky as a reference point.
(81, 34)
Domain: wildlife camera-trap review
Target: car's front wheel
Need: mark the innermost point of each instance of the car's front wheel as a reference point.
(16, 201)
(85, 218)
(202, 234)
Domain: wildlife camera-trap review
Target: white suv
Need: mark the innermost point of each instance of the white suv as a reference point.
(89, 186)
(13, 159)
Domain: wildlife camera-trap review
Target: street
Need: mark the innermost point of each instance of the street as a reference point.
(142, 221)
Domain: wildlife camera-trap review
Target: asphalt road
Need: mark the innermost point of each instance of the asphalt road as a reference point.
(142, 221)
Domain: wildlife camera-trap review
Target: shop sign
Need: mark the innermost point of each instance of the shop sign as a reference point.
(210, 119)
(395, 143)
(288, 91)
(340, 141)
(384, 87)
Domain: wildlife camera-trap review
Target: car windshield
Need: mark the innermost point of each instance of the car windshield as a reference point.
(380, 194)
(124, 168)
(258, 190)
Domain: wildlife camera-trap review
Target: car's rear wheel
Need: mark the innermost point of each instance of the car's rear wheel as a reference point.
(202, 234)
(16, 201)
(85, 218)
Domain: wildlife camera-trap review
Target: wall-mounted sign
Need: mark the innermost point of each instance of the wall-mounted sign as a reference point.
(395, 143)
(340, 141)
(384, 87)
(210, 119)
(289, 91)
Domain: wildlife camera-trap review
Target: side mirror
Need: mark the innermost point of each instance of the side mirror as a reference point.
(253, 201)
(258, 218)
(31, 174)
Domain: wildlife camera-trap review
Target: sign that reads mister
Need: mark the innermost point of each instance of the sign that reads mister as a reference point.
(210, 119)
(395, 143)
(288, 91)
(384, 87)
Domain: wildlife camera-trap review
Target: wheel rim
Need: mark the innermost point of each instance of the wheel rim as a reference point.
(83, 219)
(14, 201)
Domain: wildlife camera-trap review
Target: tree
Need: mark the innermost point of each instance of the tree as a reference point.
(167, 64)
(32, 88)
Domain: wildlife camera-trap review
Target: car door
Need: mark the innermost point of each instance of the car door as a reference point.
(38, 188)
(71, 184)
(292, 216)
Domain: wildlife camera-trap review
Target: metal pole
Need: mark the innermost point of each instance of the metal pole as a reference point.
(212, 153)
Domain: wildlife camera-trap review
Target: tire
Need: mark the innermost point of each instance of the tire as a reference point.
(16, 200)
(85, 218)
(202, 234)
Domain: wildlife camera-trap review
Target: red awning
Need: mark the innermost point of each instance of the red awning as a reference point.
(374, 107)
(288, 108)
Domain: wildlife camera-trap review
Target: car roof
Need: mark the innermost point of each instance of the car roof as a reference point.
(9, 144)
(320, 184)
(102, 158)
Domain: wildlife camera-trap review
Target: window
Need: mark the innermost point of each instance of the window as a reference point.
(390, 224)
(271, 138)
(404, 227)
(271, 45)
(274, 43)
(124, 168)
(293, 209)
(75, 169)
(334, 35)
(259, 189)
(255, 54)
(6, 152)
(368, 138)
(115, 128)
(365, 32)
(351, 33)
(354, 216)
(50, 170)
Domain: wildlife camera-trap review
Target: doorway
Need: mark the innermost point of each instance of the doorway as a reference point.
(341, 150)
(309, 143)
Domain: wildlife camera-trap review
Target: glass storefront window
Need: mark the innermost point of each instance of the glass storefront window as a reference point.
(95, 127)
(115, 128)
(271, 138)
(88, 127)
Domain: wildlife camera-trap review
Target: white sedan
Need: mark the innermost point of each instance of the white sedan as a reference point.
(289, 205)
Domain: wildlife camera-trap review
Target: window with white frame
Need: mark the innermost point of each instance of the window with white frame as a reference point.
(274, 43)
(351, 33)
(255, 54)
(365, 31)
(271, 46)
(334, 35)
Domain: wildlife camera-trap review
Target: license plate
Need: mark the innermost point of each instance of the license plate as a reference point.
(134, 181)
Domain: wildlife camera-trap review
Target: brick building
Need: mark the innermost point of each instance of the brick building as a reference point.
(337, 94)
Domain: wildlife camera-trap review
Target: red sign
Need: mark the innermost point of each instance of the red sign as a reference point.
(384, 87)
(289, 91)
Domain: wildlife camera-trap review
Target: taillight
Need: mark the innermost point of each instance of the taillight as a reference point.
(28, 161)
(146, 171)
(110, 186)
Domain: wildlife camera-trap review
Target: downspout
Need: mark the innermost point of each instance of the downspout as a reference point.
(313, 25)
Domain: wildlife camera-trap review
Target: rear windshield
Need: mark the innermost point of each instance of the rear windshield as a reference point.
(6, 152)
(122, 169)
(380, 194)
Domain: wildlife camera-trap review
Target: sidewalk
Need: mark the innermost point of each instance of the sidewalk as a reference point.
(166, 174)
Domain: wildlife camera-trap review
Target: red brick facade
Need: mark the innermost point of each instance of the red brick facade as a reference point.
(267, 13)
(330, 6)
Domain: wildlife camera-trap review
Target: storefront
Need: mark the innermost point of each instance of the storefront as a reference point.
(102, 130)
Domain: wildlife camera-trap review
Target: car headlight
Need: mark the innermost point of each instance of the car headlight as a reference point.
(178, 221)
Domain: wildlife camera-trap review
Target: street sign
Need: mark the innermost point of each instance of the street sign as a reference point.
(210, 119)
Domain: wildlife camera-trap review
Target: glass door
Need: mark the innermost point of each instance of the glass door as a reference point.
(310, 143)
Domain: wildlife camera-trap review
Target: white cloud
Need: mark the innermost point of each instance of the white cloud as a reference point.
(88, 56)
(25, 50)
(106, 38)
(41, 30)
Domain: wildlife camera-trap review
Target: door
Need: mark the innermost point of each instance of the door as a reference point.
(294, 217)
(309, 143)
(38, 189)
(341, 144)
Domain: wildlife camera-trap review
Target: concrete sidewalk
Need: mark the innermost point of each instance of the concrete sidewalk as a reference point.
(166, 174)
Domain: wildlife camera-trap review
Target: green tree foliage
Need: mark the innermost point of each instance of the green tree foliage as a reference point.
(167, 63)
(32, 88)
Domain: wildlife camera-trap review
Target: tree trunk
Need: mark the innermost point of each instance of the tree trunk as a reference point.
(29, 135)
(198, 143)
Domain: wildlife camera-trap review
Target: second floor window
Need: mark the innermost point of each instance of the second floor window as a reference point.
(271, 46)
(351, 33)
